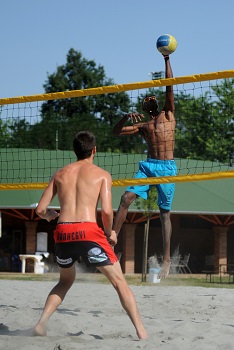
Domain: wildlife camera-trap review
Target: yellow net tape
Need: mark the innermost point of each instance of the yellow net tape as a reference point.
(127, 182)
(119, 88)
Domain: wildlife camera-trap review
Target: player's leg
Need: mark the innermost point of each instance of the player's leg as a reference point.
(166, 235)
(126, 296)
(131, 193)
(165, 197)
(126, 199)
(55, 298)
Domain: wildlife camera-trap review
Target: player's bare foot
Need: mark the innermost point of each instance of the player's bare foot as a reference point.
(142, 334)
(165, 269)
(39, 331)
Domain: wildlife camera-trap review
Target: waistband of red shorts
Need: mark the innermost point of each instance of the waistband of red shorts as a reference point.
(74, 231)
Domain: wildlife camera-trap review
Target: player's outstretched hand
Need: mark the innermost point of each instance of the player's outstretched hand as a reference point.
(135, 117)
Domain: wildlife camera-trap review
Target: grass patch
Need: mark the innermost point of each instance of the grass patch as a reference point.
(182, 280)
(29, 276)
(133, 279)
(196, 281)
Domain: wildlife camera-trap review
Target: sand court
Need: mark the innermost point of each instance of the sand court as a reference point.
(91, 317)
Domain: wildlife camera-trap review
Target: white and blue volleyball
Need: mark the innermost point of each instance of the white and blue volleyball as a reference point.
(166, 44)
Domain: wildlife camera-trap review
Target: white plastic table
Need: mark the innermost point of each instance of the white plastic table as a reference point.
(36, 258)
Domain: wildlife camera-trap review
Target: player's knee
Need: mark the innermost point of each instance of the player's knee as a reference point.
(126, 199)
(119, 283)
(165, 214)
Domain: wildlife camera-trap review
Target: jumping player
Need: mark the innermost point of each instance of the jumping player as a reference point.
(79, 186)
(159, 135)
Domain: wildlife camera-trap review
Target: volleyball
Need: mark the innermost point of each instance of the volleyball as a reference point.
(166, 44)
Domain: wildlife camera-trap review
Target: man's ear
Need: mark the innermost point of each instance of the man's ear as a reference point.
(94, 150)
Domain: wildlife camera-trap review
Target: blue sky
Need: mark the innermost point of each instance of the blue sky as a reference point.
(35, 37)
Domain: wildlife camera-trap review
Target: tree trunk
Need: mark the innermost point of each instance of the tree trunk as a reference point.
(145, 251)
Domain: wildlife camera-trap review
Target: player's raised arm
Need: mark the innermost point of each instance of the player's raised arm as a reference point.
(169, 105)
(166, 44)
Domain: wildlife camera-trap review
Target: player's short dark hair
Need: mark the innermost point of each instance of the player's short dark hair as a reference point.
(145, 103)
(83, 144)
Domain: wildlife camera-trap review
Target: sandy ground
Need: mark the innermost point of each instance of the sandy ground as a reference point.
(91, 317)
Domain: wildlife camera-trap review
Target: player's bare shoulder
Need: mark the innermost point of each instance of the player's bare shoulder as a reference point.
(165, 116)
(105, 173)
(102, 172)
(65, 170)
(170, 116)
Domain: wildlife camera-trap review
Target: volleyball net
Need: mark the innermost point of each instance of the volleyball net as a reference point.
(37, 131)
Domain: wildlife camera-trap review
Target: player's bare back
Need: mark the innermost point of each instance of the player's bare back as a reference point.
(78, 186)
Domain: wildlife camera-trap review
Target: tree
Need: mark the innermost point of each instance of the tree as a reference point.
(64, 117)
(193, 128)
(4, 133)
(20, 134)
(224, 114)
(205, 124)
(148, 206)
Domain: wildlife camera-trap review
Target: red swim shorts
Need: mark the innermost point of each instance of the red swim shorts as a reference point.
(74, 240)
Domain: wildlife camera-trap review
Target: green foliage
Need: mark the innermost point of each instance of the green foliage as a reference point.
(65, 117)
(205, 128)
(4, 133)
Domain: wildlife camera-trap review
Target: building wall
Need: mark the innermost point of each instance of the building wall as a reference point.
(191, 234)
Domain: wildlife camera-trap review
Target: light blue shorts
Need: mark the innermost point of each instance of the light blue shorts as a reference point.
(156, 168)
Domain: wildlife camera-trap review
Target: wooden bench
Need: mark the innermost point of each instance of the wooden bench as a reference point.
(230, 275)
(227, 270)
(211, 271)
(221, 271)
(210, 274)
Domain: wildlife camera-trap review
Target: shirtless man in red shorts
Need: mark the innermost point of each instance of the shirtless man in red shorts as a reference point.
(79, 186)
